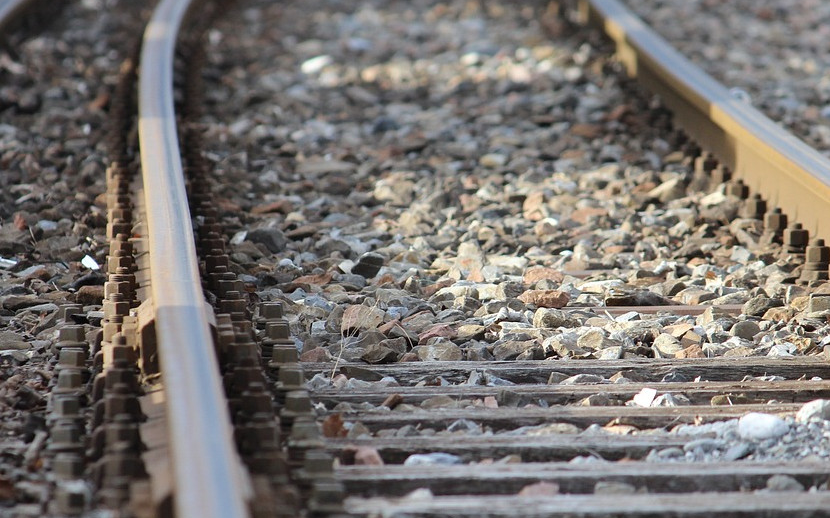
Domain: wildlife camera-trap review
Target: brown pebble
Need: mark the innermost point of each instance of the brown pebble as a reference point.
(534, 275)
(545, 298)
(316, 355)
(409, 357)
(392, 401)
(693, 351)
(89, 295)
(281, 206)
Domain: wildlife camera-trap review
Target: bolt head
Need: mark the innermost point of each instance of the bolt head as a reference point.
(817, 254)
(72, 334)
(775, 220)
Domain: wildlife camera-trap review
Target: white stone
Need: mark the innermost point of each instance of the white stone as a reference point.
(431, 459)
(710, 200)
(818, 409)
(239, 237)
(756, 426)
(666, 346)
(493, 160)
(315, 64)
(785, 349)
(600, 286)
(90, 263)
(645, 397)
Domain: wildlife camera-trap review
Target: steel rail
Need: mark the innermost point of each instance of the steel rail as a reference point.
(772, 161)
(10, 10)
(208, 477)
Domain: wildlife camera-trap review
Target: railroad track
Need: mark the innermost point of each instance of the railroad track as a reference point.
(199, 405)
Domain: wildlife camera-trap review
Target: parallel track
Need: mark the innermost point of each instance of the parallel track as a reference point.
(787, 172)
(773, 163)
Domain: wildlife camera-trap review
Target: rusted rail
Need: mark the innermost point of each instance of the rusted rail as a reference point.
(209, 480)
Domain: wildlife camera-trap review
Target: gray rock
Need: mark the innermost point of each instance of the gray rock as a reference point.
(368, 265)
(710, 315)
(737, 452)
(666, 346)
(609, 487)
(512, 350)
(466, 426)
(369, 338)
(758, 305)
(742, 255)
(319, 382)
(674, 377)
(783, 483)
(510, 399)
(671, 400)
(10, 341)
(597, 400)
(583, 379)
(396, 189)
(595, 339)
(432, 459)
(704, 445)
(818, 302)
(552, 318)
(745, 329)
(478, 352)
(565, 345)
(669, 453)
(757, 426)
(272, 238)
(441, 351)
(378, 353)
(556, 378)
(611, 353)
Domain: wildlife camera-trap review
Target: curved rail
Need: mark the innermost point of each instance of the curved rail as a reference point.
(773, 162)
(208, 474)
(10, 10)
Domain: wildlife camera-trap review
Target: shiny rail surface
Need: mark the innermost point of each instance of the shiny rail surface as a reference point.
(11, 10)
(8, 8)
(783, 169)
(209, 481)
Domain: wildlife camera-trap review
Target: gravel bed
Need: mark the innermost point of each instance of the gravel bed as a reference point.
(423, 202)
(773, 53)
(53, 101)
(420, 181)
(417, 181)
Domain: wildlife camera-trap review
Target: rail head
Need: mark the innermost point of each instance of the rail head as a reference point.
(785, 170)
(208, 477)
(12, 10)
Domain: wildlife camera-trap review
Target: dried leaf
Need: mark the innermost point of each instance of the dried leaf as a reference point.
(333, 426)
(19, 221)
